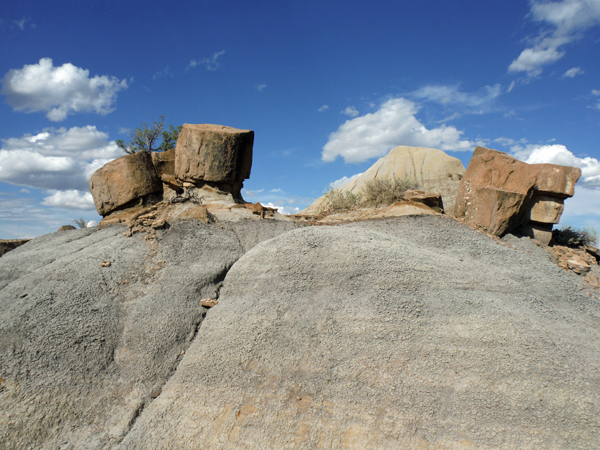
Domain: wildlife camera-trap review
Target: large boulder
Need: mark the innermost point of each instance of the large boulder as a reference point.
(501, 194)
(433, 170)
(409, 333)
(123, 180)
(214, 153)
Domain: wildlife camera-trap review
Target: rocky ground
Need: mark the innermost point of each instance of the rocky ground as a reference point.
(407, 332)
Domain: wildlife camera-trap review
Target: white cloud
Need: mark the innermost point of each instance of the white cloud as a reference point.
(447, 95)
(60, 90)
(166, 72)
(323, 108)
(260, 87)
(571, 73)
(56, 159)
(250, 193)
(393, 124)
(21, 23)
(511, 87)
(283, 209)
(559, 154)
(71, 199)
(342, 181)
(567, 19)
(596, 92)
(211, 63)
(351, 111)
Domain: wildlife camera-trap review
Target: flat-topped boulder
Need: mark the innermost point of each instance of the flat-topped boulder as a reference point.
(501, 194)
(213, 153)
(123, 180)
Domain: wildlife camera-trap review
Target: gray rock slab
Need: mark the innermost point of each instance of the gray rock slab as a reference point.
(416, 332)
(84, 348)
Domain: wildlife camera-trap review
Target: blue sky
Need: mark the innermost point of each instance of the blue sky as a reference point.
(328, 87)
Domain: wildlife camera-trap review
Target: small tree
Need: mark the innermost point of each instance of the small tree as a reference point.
(80, 223)
(146, 137)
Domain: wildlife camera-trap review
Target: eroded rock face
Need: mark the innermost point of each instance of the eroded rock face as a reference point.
(433, 170)
(164, 164)
(125, 179)
(501, 194)
(213, 153)
(6, 245)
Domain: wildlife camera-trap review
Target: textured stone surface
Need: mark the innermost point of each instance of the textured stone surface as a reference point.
(432, 169)
(545, 209)
(164, 164)
(6, 245)
(431, 199)
(93, 323)
(408, 333)
(213, 153)
(497, 211)
(541, 232)
(125, 179)
(499, 192)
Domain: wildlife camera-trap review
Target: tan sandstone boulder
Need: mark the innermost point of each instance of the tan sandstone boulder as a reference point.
(500, 193)
(213, 153)
(433, 170)
(125, 179)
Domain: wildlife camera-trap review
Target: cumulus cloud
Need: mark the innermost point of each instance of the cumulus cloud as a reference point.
(260, 87)
(56, 159)
(393, 124)
(323, 108)
(211, 63)
(70, 199)
(559, 154)
(351, 111)
(564, 21)
(342, 181)
(60, 90)
(447, 95)
(571, 73)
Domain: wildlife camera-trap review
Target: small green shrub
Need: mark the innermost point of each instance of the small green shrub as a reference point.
(575, 237)
(338, 200)
(385, 191)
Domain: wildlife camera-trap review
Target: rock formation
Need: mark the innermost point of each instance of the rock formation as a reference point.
(391, 333)
(209, 163)
(214, 153)
(433, 170)
(6, 245)
(122, 181)
(501, 194)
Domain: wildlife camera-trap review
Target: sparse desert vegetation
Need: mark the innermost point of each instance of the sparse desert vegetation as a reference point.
(376, 192)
